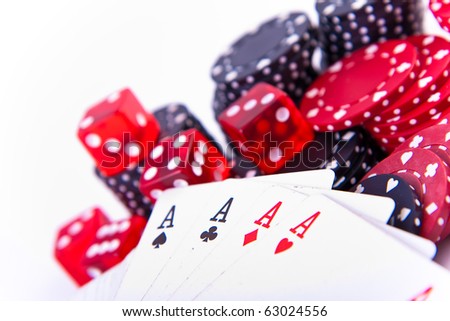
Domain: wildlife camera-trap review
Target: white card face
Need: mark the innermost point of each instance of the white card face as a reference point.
(134, 286)
(172, 212)
(363, 205)
(325, 252)
(267, 209)
(175, 214)
(234, 205)
(375, 207)
(423, 246)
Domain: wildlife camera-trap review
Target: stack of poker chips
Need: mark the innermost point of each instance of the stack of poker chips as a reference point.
(279, 53)
(346, 26)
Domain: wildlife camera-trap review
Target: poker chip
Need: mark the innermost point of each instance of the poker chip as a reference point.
(346, 26)
(345, 152)
(345, 96)
(412, 178)
(175, 118)
(125, 186)
(259, 53)
(243, 168)
(407, 213)
(279, 53)
(391, 141)
(441, 11)
(432, 175)
(437, 140)
(356, 171)
(434, 58)
(421, 114)
(433, 136)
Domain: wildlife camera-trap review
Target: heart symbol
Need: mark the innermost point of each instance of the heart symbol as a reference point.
(391, 184)
(406, 157)
(284, 245)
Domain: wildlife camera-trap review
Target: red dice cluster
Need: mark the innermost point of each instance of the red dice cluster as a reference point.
(137, 164)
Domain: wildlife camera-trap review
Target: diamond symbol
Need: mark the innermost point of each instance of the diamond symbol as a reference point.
(250, 237)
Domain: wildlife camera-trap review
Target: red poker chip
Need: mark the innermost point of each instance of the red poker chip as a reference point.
(441, 10)
(412, 178)
(434, 58)
(391, 140)
(437, 135)
(436, 103)
(437, 140)
(352, 89)
(433, 179)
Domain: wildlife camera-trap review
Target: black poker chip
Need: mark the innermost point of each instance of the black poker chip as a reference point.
(345, 151)
(279, 52)
(242, 167)
(357, 171)
(407, 214)
(348, 25)
(125, 186)
(176, 117)
(256, 54)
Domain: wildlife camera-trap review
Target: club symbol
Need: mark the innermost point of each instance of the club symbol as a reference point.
(159, 240)
(209, 235)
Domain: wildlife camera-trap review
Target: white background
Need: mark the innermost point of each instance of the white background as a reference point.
(59, 57)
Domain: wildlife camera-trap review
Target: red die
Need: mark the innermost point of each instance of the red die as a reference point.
(184, 159)
(267, 127)
(113, 242)
(73, 240)
(118, 132)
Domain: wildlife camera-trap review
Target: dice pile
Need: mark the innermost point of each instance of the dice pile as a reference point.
(273, 108)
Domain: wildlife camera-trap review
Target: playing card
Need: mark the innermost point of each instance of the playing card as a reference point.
(371, 206)
(247, 231)
(175, 214)
(218, 220)
(417, 243)
(190, 202)
(376, 210)
(325, 252)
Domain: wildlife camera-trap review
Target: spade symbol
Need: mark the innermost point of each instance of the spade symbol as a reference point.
(209, 235)
(160, 240)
